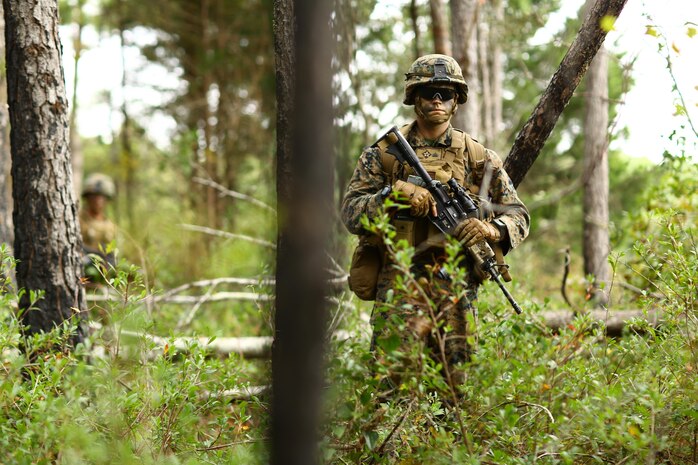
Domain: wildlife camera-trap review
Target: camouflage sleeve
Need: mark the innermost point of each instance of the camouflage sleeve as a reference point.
(506, 204)
(362, 195)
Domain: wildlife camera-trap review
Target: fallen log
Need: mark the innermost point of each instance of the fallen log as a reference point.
(613, 321)
(249, 347)
(236, 394)
(259, 347)
(252, 347)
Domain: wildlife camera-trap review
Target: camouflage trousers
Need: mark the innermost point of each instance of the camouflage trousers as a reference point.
(424, 309)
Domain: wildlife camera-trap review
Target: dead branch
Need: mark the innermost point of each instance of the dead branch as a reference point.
(234, 194)
(248, 347)
(218, 281)
(252, 347)
(614, 321)
(236, 394)
(562, 85)
(228, 235)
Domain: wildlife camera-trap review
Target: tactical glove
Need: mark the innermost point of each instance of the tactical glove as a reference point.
(421, 201)
(471, 231)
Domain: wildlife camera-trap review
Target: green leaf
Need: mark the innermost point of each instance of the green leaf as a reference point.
(390, 343)
(371, 438)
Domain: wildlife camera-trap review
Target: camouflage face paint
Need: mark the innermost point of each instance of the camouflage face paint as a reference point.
(435, 111)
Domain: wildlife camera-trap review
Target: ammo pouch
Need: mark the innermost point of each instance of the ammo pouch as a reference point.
(366, 264)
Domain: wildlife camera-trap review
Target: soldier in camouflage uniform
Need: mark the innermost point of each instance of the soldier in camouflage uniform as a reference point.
(97, 230)
(435, 86)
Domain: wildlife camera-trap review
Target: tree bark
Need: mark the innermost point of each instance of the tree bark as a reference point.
(47, 238)
(486, 115)
(464, 17)
(304, 197)
(596, 242)
(496, 63)
(6, 232)
(540, 124)
(439, 28)
(414, 17)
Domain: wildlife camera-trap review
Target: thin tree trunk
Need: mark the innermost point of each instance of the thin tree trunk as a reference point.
(304, 193)
(127, 156)
(495, 60)
(77, 159)
(47, 238)
(210, 157)
(596, 241)
(464, 14)
(540, 124)
(439, 27)
(483, 36)
(414, 17)
(6, 232)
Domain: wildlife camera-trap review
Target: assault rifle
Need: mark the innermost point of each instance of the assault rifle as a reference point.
(453, 205)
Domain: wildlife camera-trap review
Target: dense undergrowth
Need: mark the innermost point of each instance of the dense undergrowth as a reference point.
(531, 395)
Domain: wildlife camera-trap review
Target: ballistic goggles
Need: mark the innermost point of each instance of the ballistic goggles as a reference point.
(431, 93)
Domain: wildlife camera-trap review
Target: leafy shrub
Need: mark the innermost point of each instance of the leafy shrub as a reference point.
(532, 395)
(121, 406)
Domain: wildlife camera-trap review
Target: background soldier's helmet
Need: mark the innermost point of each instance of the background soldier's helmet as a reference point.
(435, 69)
(98, 183)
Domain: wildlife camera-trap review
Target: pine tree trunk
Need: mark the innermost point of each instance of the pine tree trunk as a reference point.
(414, 17)
(47, 238)
(127, 156)
(540, 124)
(596, 240)
(495, 61)
(304, 194)
(6, 232)
(439, 27)
(486, 115)
(464, 17)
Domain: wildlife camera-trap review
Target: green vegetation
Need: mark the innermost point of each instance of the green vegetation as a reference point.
(129, 402)
(530, 395)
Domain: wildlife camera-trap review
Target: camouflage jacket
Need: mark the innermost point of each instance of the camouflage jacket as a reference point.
(363, 193)
(96, 232)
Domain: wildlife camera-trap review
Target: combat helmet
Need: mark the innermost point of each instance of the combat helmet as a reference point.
(98, 183)
(435, 69)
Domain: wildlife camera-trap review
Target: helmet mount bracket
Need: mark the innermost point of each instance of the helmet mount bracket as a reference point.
(440, 73)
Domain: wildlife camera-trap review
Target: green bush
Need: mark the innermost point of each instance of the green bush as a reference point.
(532, 395)
(138, 404)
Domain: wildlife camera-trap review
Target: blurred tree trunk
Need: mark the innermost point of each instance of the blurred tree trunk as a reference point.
(304, 194)
(414, 17)
(596, 241)
(487, 135)
(127, 157)
(562, 85)
(439, 28)
(464, 19)
(495, 59)
(6, 232)
(210, 151)
(76, 155)
(47, 238)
